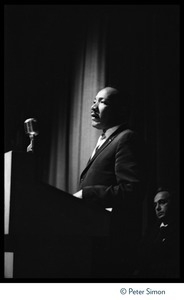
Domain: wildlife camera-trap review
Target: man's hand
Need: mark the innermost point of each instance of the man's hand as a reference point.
(78, 194)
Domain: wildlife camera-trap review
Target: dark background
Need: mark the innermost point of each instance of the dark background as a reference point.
(40, 45)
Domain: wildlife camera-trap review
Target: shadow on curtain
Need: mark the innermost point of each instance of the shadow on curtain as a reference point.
(73, 137)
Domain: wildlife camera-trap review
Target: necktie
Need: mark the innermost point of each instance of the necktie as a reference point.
(101, 140)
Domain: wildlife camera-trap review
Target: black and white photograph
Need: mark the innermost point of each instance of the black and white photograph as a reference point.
(92, 143)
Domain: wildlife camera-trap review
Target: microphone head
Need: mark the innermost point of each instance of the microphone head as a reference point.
(30, 126)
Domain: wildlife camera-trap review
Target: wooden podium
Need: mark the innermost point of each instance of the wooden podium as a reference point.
(48, 233)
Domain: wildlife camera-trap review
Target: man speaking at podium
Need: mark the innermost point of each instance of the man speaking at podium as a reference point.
(113, 180)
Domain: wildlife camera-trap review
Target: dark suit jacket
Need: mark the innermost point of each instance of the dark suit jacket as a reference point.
(114, 178)
(159, 251)
(115, 173)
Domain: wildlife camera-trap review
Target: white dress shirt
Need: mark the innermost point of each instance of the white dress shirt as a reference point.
(103, 137)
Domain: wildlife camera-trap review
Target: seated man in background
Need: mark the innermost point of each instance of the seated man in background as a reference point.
(113, 180)
(160, 247)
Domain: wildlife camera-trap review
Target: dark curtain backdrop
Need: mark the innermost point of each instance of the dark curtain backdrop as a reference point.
(57, 57)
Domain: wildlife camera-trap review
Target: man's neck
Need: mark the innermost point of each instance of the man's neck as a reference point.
(110, 130)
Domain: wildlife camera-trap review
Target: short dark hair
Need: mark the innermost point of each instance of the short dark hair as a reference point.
(163, 188)
(124, 100)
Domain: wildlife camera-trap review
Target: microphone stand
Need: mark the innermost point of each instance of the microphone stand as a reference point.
(29, 126)
(30, 147)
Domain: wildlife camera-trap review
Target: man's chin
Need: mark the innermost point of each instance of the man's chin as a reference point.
(160, 216)
(96, 124)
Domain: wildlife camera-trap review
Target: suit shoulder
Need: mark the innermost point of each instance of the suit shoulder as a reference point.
(131, 138)
(127, 134)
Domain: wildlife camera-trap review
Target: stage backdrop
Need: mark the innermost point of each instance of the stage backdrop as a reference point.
(57, 57)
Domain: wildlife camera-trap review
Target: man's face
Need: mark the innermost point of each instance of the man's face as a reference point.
(104, 110)
(161, 202)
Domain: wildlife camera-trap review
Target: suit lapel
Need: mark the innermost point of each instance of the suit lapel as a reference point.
(99, 150)
(104, 145)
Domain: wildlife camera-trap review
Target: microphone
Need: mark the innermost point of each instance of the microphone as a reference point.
(30, 127)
